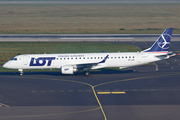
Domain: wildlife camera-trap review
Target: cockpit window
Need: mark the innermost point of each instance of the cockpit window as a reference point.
(14, 59)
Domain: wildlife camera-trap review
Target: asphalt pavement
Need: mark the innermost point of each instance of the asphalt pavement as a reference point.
(136, 93)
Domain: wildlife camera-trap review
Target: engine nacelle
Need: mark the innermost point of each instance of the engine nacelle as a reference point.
(68, 70)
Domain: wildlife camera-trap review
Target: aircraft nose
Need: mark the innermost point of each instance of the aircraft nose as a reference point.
(5, 65)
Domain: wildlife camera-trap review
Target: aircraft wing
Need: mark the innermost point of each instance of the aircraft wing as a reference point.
(89, 65)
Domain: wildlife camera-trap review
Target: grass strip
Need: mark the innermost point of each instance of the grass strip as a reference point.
(131, 18)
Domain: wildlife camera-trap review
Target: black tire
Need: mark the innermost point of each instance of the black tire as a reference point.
(86, 73)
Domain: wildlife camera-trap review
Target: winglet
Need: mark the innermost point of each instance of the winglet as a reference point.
(104, 60)
(162, 43)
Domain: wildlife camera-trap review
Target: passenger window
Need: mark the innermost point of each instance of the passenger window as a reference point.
(119, 57)
(84, 57)
(71, 58)
(60, 58)
(129, 56)
(114, 57)
(101, 57)
(122, 57)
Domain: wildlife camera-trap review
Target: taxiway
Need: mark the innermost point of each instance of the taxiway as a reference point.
(136, 93)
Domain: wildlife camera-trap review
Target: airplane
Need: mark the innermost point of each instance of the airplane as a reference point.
(73, 62)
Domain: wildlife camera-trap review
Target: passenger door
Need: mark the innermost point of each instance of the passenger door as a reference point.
(139, 57)
(25, 59)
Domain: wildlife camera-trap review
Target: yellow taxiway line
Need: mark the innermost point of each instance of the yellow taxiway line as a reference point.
(103, 92)
(117, 92)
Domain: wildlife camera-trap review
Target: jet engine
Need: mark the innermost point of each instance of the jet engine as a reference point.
(68, 69)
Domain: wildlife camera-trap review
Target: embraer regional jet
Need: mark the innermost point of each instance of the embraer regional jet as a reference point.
(70, 63)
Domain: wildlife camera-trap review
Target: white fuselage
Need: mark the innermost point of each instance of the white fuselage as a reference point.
(56, 61)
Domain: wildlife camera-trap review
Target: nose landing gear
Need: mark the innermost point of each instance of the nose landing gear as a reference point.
(21, 71)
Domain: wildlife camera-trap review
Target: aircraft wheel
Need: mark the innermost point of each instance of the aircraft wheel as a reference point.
(86, 73)
(21, 71)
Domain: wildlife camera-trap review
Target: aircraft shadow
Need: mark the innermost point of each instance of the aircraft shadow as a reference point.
(75, 74)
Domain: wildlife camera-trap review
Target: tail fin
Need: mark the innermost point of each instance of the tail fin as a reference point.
(162, 43)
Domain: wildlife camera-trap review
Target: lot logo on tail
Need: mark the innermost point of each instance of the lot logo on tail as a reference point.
(162, 41)
(41, 61)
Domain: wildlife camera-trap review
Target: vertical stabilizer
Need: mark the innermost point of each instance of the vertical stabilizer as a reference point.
(162, 43)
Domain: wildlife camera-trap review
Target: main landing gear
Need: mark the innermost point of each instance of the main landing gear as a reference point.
(86, 73)
(21, 71)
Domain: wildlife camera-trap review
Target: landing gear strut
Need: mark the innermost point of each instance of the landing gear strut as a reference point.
(21, 71)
